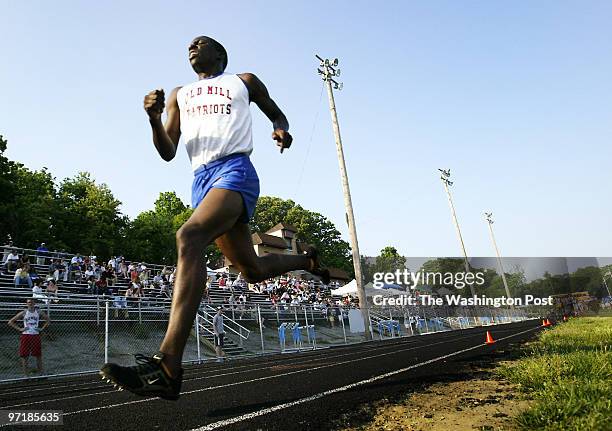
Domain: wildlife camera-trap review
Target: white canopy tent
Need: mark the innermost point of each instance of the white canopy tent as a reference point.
(351, 288)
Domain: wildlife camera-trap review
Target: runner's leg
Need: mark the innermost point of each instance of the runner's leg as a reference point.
(214, 216)
(236, 244)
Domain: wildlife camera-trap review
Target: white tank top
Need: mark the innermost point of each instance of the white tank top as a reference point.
(215, 118)
(30, 322)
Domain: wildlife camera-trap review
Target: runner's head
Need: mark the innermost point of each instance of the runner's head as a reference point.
(207, 55)
(31, 303)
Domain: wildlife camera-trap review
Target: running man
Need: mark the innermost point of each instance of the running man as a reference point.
(29, 340)
(213, 116)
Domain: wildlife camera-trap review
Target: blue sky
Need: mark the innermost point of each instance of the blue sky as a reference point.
(514, 97)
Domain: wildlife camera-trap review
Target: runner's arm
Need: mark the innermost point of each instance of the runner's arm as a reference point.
(258, 93)
(165, 136)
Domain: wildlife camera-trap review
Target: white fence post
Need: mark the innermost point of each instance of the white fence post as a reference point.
(106, 333)
(306, 320)
(342, 320)
(197, 331)
(260, 329)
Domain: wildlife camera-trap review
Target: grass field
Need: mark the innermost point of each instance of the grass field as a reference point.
(568, 373)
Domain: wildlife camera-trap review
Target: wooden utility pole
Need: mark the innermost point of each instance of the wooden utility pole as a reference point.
(447, 182)
(489, 219)
(328, 70)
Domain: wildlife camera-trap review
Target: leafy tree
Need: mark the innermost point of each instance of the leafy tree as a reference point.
(389, 260)
(151, 236)
(88, 219)
(27, 204)
(588, 279)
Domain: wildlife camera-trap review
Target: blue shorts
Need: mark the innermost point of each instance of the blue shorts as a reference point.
(234, 172)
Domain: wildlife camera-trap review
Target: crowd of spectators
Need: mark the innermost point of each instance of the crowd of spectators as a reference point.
(88, 275)
(284, 291)
(85, 274)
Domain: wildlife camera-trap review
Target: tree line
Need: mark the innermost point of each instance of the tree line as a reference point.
(79, 215)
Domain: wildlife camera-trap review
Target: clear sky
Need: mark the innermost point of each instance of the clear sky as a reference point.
(514, 97)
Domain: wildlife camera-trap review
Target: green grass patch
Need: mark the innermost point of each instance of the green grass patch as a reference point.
(568, 372)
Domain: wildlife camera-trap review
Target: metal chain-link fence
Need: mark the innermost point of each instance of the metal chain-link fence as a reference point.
(86, 332)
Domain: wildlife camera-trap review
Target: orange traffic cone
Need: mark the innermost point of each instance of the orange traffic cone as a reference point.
(565, 318)
(490, 339)
(548, 323)
(544, 323)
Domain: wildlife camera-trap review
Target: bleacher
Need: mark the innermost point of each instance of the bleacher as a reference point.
(217, 296)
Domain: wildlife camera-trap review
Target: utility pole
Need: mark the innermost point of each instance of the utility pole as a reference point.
(607, 274)
(445, 178)
(489, 219)
(328, 70)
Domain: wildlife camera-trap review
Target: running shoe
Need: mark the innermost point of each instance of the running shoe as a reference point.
(146, 378)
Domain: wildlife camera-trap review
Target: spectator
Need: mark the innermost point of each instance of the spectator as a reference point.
(143, 277)
(222, 282)
(112, 262)
(133, 293)
(52, 268)
(101, 287)
(76, 259)
(52, 291)
(91, 284)
(12, 260)
(120, 302)
(7, 249)
(41, 253)
(123, 269)
(219, 334)
(89, 272)
(22, 276)
(29, 341)
(38, 293)
(134, 275)
(164, 291)
(74, 271)
(25, 259)
(33, 274)
(110, 275)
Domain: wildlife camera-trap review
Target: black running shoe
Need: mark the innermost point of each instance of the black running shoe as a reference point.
(313, 254)
(147, 378)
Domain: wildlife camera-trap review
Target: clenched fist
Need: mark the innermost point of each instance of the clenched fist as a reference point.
(154, 104)
(283, 138)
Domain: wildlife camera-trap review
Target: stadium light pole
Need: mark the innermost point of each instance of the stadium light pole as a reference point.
(489, 219)
(328, 71)
(607, 274)
(446, 182)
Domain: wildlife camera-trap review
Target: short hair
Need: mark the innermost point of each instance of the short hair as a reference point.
(220, 49)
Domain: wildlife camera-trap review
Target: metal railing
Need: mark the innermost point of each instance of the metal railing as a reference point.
(86, 332)
(208, 313)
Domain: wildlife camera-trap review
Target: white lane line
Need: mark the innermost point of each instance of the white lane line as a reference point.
(345, 388)
(258, 379)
